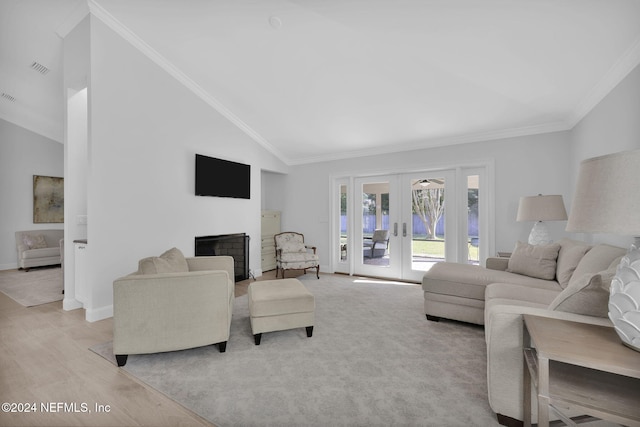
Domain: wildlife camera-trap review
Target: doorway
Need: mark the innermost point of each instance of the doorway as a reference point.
(398, 226)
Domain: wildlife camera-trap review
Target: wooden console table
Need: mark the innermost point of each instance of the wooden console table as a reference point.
(580, 368)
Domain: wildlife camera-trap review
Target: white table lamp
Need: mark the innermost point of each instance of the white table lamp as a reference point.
(539, 209)
(607, 200)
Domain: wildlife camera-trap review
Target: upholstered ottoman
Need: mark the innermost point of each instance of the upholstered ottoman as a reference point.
(277, 305)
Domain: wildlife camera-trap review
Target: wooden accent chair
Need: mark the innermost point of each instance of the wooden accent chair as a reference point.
(293, 254)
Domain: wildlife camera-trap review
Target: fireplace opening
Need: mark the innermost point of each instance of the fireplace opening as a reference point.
(234, 245)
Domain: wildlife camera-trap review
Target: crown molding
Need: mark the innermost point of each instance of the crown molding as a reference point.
(124, 32)
(629, 60)
(558, 126)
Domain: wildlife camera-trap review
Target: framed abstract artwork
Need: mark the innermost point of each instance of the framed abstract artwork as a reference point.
(48, 199)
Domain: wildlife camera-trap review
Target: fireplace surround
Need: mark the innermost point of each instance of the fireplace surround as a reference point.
(234, 245)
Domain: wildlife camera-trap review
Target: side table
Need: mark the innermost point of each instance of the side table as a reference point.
(579, 368)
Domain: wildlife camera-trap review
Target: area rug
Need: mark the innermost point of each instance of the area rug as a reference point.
(33, 287)
(373, 360)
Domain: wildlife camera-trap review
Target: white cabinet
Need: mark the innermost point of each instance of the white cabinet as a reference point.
(270, 226)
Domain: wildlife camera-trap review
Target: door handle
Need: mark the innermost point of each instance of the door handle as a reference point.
(404, 229)
(395, 228)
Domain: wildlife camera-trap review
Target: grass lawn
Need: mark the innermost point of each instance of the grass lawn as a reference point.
(435, 249)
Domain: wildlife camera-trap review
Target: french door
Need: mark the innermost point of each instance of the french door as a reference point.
(399, 225)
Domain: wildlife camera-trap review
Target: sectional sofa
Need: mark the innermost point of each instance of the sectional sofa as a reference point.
(566, 280)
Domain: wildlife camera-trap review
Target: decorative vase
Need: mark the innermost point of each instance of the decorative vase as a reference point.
(624, 300)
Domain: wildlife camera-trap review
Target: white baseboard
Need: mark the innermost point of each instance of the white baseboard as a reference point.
(71, 304)
(95, 314)
(9, 266)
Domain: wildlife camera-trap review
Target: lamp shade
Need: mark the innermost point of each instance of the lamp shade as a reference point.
(607, 200)
(607, 196)
(541, 208)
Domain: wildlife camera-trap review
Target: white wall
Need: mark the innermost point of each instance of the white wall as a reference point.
(612, 126)
(524, 166)
(145, 129)
(22, 155)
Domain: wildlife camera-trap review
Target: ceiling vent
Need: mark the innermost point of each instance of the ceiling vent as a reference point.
(8, 97)
(39, 67)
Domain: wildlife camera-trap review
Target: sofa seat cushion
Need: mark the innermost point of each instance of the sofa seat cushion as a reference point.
(470, 281)
(510, 291)
(41, 253)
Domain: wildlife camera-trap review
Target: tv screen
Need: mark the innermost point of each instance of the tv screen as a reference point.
(222, 178)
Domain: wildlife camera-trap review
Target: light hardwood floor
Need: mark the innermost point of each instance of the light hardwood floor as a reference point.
(45, 359)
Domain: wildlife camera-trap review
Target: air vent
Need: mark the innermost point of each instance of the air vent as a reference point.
(8, 97)
(39, 67)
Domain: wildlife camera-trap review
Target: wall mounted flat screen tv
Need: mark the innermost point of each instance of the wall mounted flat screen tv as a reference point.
(222, 178)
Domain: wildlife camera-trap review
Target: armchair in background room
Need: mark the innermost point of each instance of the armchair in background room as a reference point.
(293, 254)
(377, 247)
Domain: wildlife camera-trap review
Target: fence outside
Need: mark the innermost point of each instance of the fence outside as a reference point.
(369, 225)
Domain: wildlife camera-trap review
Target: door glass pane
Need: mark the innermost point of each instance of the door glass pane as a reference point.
(375, 224)
(343, 223)
(428, 237)
(473, 193)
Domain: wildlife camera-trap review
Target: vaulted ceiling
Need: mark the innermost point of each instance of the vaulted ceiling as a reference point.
(324, 79)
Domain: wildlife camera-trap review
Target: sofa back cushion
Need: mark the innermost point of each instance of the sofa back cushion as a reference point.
(569, 256)
(537, 261)
(597, 259)
(172, 261)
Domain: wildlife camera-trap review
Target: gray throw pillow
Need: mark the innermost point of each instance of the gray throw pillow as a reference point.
(584, 295)
(571, 252)
(172, 261)
(34, 241)
(537, 261)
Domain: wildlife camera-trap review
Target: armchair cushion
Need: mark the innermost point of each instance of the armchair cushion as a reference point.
(537, 261)
(172, 261)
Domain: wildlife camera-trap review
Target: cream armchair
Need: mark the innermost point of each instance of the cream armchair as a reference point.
(159, 311)
(293, 254)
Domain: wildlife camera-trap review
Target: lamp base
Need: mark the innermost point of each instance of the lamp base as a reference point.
(540, 234)
(624, 299)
